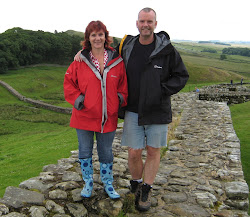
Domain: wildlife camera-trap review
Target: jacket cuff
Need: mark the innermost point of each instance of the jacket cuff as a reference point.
(121, 99)
(79, 102)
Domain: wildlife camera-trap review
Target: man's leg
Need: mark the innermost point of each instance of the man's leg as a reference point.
(151, 164)
(150, 170)
(156, 137)
(135, 163)
(134, 137)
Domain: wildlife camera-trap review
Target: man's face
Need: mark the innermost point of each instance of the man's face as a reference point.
(146, 23)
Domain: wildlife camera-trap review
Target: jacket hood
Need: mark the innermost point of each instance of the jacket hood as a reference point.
(162, 39)
(162, 45)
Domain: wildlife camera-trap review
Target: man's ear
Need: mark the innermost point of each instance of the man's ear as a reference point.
(137, 23)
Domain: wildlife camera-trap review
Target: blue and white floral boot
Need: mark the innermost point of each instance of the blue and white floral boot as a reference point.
(87, 175)
(107, 179)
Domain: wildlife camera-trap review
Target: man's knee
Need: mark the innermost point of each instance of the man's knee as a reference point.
(134, 154)
(153, 152)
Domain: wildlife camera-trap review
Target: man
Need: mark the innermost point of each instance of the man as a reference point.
(155, 71)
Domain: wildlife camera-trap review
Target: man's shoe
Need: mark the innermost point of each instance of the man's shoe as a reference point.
(144, 198)
(134, 186)
(135, 189)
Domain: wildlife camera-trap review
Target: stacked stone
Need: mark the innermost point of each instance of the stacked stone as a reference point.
(200, 175)
(231, 94)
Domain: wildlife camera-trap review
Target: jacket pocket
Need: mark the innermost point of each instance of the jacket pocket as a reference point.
(113, 104)
(92, 104)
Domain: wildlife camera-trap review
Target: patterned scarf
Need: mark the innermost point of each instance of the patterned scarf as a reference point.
(96, 62)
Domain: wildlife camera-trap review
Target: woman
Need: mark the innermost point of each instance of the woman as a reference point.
(96, 87)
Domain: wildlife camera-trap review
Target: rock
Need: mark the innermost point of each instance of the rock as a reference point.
(58, 194)
(189, 210)
(77, 210)
(38, 211)
(237, 190)
(3, 209)
(71, 176)
(53, 207)
(15, 214)
(206, 199)
(35, 184)
(67, 185)
(17, 197)
(109, 207)
(177, 197)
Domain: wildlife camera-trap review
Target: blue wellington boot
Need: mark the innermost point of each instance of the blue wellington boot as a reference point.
(87, 175)
(107, 179)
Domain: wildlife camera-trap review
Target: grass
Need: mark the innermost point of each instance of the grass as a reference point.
(41, 83)
(241, 121)
(30, 138)
(171, 128)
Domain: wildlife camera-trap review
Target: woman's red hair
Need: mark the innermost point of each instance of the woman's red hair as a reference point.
(95, 26)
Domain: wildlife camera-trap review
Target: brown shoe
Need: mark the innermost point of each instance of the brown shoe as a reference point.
(144, 198)
(137, 193)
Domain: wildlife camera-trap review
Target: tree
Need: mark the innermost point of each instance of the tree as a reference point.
(21, 47)
(115, 42)
(223, 56)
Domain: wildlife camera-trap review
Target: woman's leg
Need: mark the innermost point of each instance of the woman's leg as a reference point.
(104, 147)
(85, 143)
(85, 139)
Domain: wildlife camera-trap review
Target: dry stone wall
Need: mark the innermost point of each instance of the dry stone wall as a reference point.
(35, 102)
(231, 94)
(200, 174)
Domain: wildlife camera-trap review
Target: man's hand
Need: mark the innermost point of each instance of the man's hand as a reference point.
(77, 57)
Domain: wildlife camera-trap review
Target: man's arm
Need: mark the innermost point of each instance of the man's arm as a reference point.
(178, 75)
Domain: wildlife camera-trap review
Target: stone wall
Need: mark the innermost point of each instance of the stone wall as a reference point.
(200, 174)
(37, 103)
(231, 94)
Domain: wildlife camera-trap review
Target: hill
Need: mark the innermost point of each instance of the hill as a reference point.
(77, 33)
(205, 65)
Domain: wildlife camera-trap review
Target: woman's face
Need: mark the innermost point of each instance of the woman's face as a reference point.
(97, 39)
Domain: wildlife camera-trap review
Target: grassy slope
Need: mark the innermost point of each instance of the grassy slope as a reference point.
(42, 83)
(29, 139)
(206, 68)
(241, 120)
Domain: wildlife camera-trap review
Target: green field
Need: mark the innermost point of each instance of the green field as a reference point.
(41, 83)
(241, 121)
(31, 138)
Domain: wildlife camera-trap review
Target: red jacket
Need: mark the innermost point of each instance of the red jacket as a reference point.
(96, 98)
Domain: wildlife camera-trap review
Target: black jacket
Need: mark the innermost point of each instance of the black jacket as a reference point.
(164, 75)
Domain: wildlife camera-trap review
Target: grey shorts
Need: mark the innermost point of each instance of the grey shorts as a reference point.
(137, 137)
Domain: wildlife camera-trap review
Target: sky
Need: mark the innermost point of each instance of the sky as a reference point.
(197, 20)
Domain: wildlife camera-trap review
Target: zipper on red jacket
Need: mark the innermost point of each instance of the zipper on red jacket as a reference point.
(103, 80)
